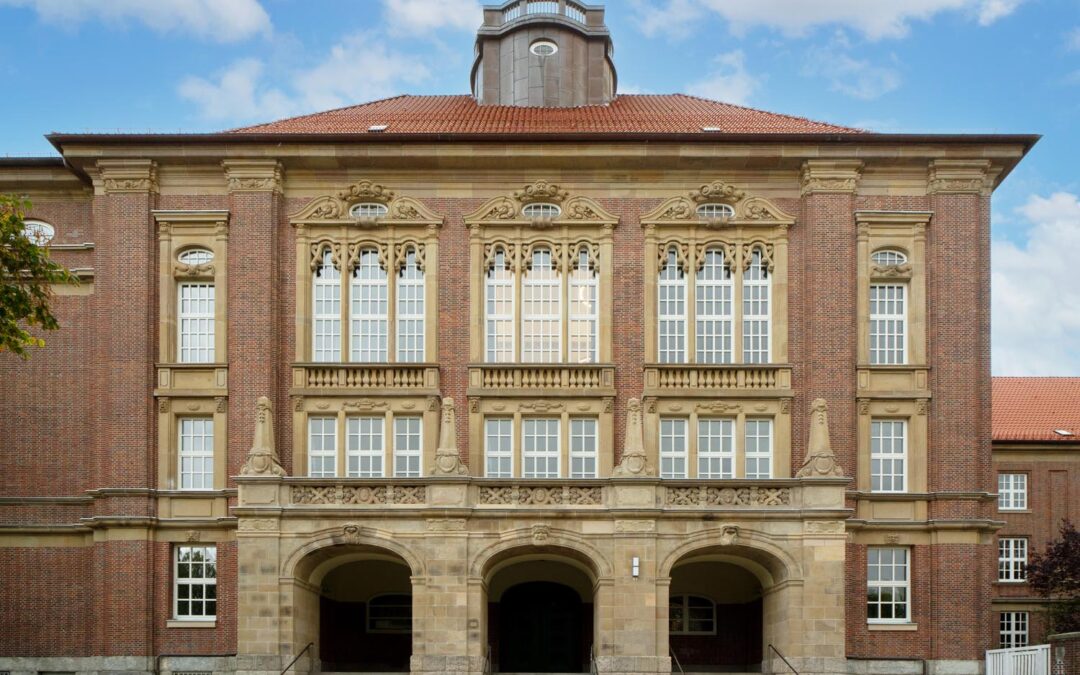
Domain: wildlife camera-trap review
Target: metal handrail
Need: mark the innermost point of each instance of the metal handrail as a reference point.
(676, 660)
(783, 659)
(297, 657)
(593, 668)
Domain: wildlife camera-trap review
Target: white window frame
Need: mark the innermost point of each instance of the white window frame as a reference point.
(584, 447)
(888, 325)
(763, 287)
(495, 324)
(203, 582)
(672, 326)
(541, 284)
(1012, 559)
(545, 462)
(501, 429)
(195, 329)
(326, 325)
(541, 210)
(1013, 629)
(367, 293)
(365, 462)
(195, 448)
(714, 211)
(892, 584)
(368, 210)
(888, 257)
(408, 445)
(673, 433)
(326, 456)
(714, 339)
(757, 455)
(1012, 492)
(583, 280)
(716, 447)
(682, 602)
(880, 459)
(410, 310)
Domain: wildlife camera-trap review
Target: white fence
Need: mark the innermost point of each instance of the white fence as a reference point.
(1019, 661)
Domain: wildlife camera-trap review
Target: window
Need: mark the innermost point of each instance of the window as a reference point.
(410, 311)
(541, 332)
(887, 585)
(758, 448)
(540, 448)
(711, 211)
(39, 233)
(543, 48)
(541, 209)
(672, 311)
(716, 448)
(1013, 629)
(499, 447)
(408, 432)
(195, 583)
(322, 447)
(756, 310)
(673, 448)
(888, 257)
(195, 256)
(369, 309)
(1012, 491)
(888, 324)
(368, 210)
(499, 299)
(196, 323)
(326, 320)
(583, 448)
(196, 454)
(584, 311)
(888, 455)
(715, 313)
(364, 448)
(389, 614)
(1012, 558)
(691, 615)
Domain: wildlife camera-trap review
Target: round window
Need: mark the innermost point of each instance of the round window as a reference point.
(715, 211)
(37, 232)
(543, 48)
(541, 210)
(196, 256)
(368, 210)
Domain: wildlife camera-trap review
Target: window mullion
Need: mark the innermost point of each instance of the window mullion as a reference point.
(690, 355)
(737, 282)
(391, 303)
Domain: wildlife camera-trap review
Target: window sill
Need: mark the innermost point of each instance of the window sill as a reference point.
(892, 626)
(1014, 511)
(191, 623)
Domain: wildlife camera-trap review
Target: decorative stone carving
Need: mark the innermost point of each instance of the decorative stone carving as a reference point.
(193, 271)
(541, 191)
(922, 405)
(729, 534)
(119, 176)
(334, 208)
(163, 404)
(634, 526)
(298, 403)
(727, 497)
(748, 210)
(446, 524)
(864, 406)
(542, 406)
(717, 191)
(830, 176)
(820, 460)
(221, 404)
(257, 524)
(824, 526)
(634, 462)
(891, 271)
(447, 459)
(262, 460)
(576, 210)
(540, 534)
(253, 175)
(365, 405)
(351, 533)
(718, 407)
(362, 495)
(960, 176)
(541, 495)
(194, 535)
(892, 539)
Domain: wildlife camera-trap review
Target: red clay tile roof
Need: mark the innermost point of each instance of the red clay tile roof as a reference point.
(673, 113)
(1031, 408)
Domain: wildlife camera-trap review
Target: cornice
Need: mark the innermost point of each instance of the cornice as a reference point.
(826, 176)
(253, 175)
(126, 176)
(960, 177)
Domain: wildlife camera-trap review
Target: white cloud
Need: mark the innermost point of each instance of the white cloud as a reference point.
(853, 77)
(672, 20)
(729, 81)
(356, 70)
(220, 20)
(1036, 326)
(1073, 39)
(875, 19)
(405, 17)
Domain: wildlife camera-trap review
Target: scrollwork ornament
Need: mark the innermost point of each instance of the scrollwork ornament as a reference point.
(366, 191)
(541, 191)
(717, 191)
(318, 253)
(401, 252)
(766, 251)
(682, 252)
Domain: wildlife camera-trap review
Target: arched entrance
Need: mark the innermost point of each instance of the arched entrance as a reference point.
(715, 617)
(540, 616)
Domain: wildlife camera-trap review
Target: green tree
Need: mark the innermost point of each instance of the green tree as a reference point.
(26, 278)
(1055, 575)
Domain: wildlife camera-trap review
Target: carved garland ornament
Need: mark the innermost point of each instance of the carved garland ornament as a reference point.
(749, 210)
(575, 210)
(335, 208)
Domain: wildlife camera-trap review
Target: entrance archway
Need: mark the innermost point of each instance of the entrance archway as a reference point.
(715, 617)
(540, 617)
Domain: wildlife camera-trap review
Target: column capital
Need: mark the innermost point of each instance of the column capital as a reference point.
(830, 176)
(253, 175)
(118, 176)
(960, 177)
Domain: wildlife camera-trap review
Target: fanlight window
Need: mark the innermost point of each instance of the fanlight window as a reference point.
(195, 256)
(888, 257)
(37, 232)
(368, 210)
(709, 211)
(691, 615)
(541, 210)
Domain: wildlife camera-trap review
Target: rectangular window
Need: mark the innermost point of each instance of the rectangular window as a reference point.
(196, 453)
(541, 311)
(368, 315)
(887, 585)
(410, 311)
(888, 455)
(322, 447)
(499, 311)
(540, 448)
(408, 434)
(716, 448)
(714, 309)
(364, 449)
(1013, 629)
(582, 447)
(1012, 558)
(1012, 491)
(888, 323)
(756, 310)
(671, 297)
(195, 582)
(326, 312)
(583, 304)
(758, 448)
(673, 450)
(195, 322)
(498, 447)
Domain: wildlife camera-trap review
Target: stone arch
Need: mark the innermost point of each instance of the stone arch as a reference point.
(539, 540)
(750, 549)
(348, 540)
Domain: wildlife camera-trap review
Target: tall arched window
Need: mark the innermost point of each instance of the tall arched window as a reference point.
(326, 310)
(368, 314)
(541, 310)
(499, 301)
(584, 314)
(672, 310)
(715, 311)
(410, 310)
(756, 309)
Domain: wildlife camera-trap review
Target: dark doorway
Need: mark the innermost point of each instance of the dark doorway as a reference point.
(365, 618)
(540, 629)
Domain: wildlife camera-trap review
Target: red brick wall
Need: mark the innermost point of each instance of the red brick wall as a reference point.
(44, 612)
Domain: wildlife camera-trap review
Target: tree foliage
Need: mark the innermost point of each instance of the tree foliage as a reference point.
(26, 278)
(1055, 575)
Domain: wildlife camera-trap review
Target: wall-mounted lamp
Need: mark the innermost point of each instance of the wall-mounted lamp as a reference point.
(635, 566)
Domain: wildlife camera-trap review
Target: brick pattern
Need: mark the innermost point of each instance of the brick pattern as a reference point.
(38, 611)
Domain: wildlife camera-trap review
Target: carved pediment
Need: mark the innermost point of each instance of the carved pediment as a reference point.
(749, 210)
(333, 209)
(574, 210)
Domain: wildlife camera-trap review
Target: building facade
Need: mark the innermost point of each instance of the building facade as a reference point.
(542, 379)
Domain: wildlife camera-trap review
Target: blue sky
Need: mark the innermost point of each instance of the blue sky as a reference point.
(969, 66)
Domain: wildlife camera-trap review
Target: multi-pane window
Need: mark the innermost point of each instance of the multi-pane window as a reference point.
(888, 585)
(391, 613)
(1013, 629)
(195, 582)
(671, 312)
(364, 447)
(410, 311)
(368, 315)
(499, 309)
(756, 310)
(673, 447)
(584, 303)
(714, 309)
(540, 448)
(322, 447)
(759, 445)
(583, 450)
(716, 448)
(326, 312)
(1012, 491)
(1012, 558)
(888, 324)
(196, 323)
(888, 455)
(499, 447)
(407, 445)
(691, 615)
(888, 257)
(196, 453)
(541, 310)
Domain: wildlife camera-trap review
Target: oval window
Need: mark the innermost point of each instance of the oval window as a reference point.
(543, 48)
(541, 210)
(888, 257)
(715, 211)
(368, 210)
(37, 232)
(196, 256)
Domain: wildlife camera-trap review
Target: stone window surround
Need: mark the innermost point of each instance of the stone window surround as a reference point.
(914, 413)
(170, 411)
